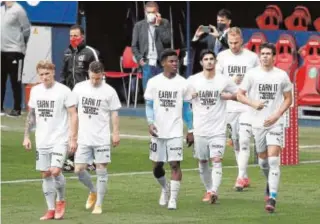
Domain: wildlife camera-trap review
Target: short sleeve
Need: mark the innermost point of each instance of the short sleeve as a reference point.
(246, 82)
(70, 99)
(114, 102)
(188, 90)
(32, 101)
(286, 84)
(231, 87)
(219, 64)
(149, 92)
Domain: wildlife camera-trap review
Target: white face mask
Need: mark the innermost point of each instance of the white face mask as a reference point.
(151, 17)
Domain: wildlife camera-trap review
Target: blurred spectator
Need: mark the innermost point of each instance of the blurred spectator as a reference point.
(15, 33)
(211, 37)
(77, 58)
(150, 37)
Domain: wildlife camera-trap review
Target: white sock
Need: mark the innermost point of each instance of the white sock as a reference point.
(243, 159)
(216, 176)
(49, 192)
(174, 189)
(274, 176)
(236, 148)
(60, 185)
(263, 163)
(205, 175)
(85, 178)
(102, 179)
(162, 181)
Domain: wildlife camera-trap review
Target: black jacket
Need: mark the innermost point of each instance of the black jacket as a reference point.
(76, 64)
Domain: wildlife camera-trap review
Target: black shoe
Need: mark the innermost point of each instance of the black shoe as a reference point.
(14, 113)
(270, 205)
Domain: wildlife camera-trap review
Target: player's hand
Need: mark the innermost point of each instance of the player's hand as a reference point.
(199, 31)
(258, 105)
(73, 145)
(190, 139)
(27, 144)
(158, 19)
(153, 130)
(215, 32)
(141, 62)
(237, 79)
(115, 139)
(271, 120)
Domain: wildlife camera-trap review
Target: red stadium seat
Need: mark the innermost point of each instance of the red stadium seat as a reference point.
(303, 51)
(270, 19)
(127, 61)
(286, 57)
(307, 77)
(316, 24)
(255, 41)
(299, 19)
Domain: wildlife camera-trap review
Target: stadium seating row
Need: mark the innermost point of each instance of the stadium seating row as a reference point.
(299, 20)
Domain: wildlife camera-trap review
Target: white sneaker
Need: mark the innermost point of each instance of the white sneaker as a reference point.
(164, 197)
(172, 205)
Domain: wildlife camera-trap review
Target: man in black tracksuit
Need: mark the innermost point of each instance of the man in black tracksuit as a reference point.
(77, 58)
(76, 61)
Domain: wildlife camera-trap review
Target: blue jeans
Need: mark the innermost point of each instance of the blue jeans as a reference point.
(149, 71)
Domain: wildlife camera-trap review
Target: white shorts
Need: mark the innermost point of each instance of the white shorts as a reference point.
(245, 128)
(166, 150)
(51, 157)
(233, 124)
(206, 148)
(89, 154)
(265, 137)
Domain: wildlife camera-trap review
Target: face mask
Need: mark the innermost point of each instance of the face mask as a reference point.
(221, 26)
(151, 17)
(74, 42)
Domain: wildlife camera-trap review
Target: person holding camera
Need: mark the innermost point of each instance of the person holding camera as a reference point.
(150, 37)
(215, 38)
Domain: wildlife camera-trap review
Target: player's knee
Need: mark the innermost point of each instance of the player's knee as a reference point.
(175, 166)
(55, 171)
(158, 170)
(101, 165)
(274, 162)
(216, 162)
(263, 163)
(79, 168)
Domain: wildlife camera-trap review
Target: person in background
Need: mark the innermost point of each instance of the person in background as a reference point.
(150, 37)
(76, 61)
(15, 33)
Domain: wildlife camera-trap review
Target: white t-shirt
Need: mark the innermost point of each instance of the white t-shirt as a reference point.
(94, 107)
(168, 96)
(269, 88)
(51, 108)
(231, 65)
(209, 110)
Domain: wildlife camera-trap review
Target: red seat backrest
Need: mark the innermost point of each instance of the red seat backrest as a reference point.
(306, 49)
(255, 41)
(128, 59)
(270, 19)
(299, 19)
(316, 24)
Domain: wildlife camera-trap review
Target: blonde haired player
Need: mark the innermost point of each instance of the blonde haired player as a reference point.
(269, 96)
(235, 62)
(97, 104)
(50, 105)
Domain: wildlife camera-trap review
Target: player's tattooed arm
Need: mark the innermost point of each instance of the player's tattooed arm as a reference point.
(30, 122)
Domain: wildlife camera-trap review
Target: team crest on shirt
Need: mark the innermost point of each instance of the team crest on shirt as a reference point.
(81, 58)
